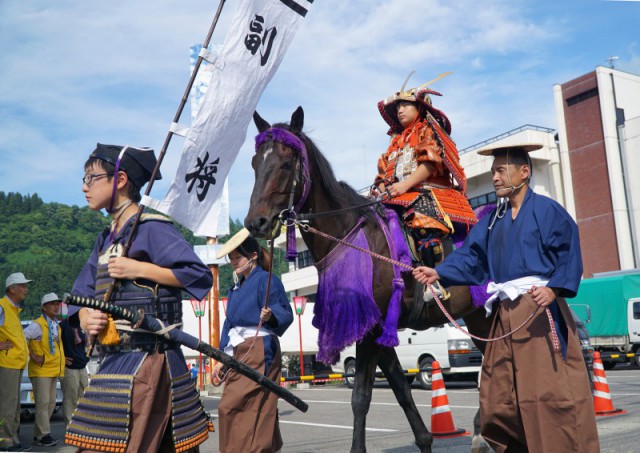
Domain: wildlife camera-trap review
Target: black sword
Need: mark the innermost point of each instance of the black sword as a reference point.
(147, 322)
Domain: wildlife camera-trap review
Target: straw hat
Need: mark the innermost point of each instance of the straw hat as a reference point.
(519, 147)
(233, 243)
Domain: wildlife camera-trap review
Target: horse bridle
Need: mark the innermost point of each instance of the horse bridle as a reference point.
(287, 138)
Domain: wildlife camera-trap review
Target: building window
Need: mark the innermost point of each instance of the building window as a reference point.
(481, 200)
(582, 96)
(304, 259)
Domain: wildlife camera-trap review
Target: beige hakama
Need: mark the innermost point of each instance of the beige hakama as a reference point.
(530, 398)
(248, 413)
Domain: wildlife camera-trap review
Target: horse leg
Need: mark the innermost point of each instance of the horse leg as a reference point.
(366, 361)
(390, 366)
(478, 444)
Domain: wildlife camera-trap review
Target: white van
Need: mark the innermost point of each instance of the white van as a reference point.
(454, 351)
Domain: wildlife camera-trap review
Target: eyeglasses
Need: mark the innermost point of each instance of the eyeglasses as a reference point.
(88, 179)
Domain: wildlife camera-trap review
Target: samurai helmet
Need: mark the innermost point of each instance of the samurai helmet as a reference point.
(419, 95)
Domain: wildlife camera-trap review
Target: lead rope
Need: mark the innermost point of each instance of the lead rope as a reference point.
(554, 335)
(223, 377)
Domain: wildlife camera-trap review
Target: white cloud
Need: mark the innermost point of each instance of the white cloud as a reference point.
(74, 73)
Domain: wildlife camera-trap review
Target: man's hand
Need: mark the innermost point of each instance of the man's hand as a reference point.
(68, 361)
(542, 295)
(92, 321)
(5, 345)
(424, 275)
(39, 359)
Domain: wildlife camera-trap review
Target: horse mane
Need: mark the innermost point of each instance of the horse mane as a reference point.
(337, 190)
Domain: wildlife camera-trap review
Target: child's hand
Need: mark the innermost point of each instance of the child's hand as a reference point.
(265, 314)
(92, 321)
(398, 188)
(124, 268)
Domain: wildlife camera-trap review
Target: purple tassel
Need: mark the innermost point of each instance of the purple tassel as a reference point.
(479, 295)
(292, 252)
(400, 252)
(389, 335)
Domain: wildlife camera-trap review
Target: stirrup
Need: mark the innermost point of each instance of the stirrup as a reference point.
(440, 291)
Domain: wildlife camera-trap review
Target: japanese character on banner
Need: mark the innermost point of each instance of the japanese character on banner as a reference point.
(257, 39)
(203, 174)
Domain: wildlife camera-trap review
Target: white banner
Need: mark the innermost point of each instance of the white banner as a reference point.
(257, 40)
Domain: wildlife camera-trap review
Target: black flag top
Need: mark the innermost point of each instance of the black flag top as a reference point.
(299, 6)
(257, 39)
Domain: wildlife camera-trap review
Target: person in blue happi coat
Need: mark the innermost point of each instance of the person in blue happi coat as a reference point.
(248, 414)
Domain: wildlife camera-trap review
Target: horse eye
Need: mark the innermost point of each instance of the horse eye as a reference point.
(286, 166)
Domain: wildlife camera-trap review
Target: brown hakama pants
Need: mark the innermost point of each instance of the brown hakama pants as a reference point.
(150, 409)
(248, 414)
(530, 398)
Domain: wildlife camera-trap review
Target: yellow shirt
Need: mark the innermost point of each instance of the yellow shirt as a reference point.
(53, 365)
(11, 330)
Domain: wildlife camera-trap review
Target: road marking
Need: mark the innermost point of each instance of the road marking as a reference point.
(373, 403)
(322, 425)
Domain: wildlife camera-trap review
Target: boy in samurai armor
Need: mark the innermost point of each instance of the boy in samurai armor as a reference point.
(420, 173)
(142, 398)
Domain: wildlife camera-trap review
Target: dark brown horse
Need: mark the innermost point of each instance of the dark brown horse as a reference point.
(283, 182)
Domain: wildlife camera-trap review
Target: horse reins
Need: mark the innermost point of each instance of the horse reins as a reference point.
(554, 335)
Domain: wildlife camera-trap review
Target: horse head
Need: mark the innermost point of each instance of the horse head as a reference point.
(281, 172)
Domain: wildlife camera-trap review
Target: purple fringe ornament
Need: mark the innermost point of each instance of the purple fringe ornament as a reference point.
(399, 251)
(345, 309)
(292, 252)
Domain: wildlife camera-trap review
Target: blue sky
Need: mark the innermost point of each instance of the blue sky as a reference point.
(75, 73)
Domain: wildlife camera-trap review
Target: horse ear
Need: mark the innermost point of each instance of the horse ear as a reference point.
(297, 120)
(261, 124)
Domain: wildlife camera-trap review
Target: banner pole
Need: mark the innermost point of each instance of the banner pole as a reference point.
(136, 221)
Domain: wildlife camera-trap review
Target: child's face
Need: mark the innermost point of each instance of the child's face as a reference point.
(407, 113)
(97, 188)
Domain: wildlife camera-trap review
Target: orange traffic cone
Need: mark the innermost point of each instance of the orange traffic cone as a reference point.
(441, 418)
(601, 396)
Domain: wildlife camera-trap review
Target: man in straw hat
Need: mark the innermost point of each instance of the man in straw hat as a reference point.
(13, 359)
(534, 396)
(248, 414)
(420, 173)
(145, 377)
(46, 365)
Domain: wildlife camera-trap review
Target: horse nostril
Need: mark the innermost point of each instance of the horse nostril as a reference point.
(257, 226)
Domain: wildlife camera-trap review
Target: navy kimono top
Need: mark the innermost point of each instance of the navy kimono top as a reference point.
(158, 242)
(542, 241)
(245, 304)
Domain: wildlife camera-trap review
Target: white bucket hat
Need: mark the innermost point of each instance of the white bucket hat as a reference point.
(16, 279)
(51, 297)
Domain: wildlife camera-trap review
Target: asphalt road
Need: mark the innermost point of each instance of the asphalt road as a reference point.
(326, 427)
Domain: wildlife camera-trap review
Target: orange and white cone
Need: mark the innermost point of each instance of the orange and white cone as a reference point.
(601, 396)
(441, 419)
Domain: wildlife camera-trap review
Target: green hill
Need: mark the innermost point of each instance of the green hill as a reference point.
(50, 242)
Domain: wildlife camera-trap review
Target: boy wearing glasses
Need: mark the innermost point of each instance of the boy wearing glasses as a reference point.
(142, 397)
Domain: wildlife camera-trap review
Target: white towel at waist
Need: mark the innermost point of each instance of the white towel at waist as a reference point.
(237, 335)
(512, 289)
